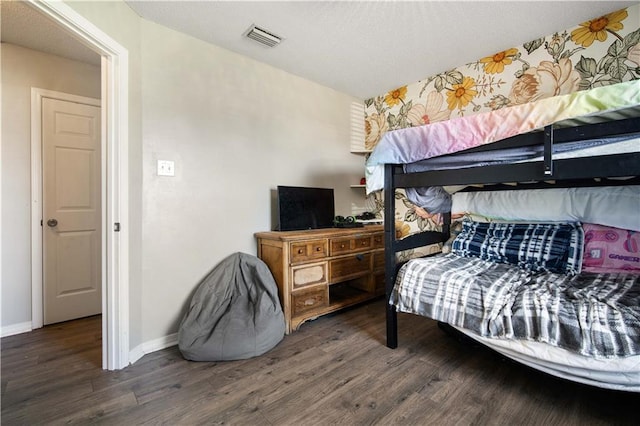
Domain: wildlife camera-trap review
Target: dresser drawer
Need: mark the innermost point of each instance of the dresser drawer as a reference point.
(349, 267)
(349, 245)
(309, 299)
(309, 274)
(378, 240)
(308, 250)
(340, 245)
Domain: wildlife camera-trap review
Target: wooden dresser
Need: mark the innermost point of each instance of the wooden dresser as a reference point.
(322, 270)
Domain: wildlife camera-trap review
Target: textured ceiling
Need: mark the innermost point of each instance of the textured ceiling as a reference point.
(363, 48)
(24, 26)
(366, 48)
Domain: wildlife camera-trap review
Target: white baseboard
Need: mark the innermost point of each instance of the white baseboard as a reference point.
(152, 346)
(134, 355)
(10, 330)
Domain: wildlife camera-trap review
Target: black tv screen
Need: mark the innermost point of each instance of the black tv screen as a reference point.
(305, 208)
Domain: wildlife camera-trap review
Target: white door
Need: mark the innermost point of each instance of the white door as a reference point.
(71, 210)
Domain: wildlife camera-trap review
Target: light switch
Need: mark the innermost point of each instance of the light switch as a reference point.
(166, 168)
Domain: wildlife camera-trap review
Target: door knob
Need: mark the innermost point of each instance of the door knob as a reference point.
(52, 222)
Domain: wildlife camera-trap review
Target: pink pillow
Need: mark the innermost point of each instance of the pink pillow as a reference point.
(608, 249)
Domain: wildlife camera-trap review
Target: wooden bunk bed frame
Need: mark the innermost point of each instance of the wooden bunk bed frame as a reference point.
(566, 173)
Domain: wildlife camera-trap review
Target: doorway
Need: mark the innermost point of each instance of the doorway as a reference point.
(114, 271)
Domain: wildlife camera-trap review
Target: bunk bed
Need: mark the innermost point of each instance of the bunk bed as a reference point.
(545, 153)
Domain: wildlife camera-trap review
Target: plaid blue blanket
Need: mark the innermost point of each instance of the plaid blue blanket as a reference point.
(596, 315)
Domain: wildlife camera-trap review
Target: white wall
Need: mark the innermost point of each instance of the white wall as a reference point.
(116, 19)
(23, 69)
(236, 128)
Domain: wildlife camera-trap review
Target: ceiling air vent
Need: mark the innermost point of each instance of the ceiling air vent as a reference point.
(263, 36)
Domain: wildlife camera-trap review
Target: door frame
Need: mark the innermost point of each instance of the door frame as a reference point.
(114, 178)
(37, 185)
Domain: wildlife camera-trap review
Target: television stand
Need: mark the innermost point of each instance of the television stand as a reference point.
(323, 270)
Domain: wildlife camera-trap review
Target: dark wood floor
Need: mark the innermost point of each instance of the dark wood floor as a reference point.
(335, 370)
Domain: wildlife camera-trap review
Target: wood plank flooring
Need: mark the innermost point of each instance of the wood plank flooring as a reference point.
(334, 370)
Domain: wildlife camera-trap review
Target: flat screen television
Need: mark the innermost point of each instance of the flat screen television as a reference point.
(304, 208)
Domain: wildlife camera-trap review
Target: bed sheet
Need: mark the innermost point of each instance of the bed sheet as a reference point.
(458, 134)
(593, 315)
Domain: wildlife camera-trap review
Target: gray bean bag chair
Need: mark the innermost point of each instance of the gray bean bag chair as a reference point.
(235, 313)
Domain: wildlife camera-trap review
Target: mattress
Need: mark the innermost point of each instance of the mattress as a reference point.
(424, 196)
(578, 149)
(414, 144)
(619, 374)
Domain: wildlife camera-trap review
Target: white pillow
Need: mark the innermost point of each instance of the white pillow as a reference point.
(617, 206)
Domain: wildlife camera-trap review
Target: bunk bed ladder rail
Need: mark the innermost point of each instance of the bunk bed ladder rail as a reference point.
(390, 254)
(548, 150)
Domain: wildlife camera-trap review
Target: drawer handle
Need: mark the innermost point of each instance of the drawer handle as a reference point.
(341, 245)
(318, 248)
(300, 251)
(364, 243)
